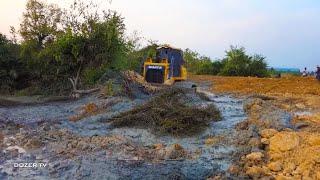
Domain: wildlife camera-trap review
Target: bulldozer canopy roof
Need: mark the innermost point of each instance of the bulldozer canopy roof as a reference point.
(168, 47)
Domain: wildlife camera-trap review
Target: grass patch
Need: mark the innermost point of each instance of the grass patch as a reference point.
(168, 114)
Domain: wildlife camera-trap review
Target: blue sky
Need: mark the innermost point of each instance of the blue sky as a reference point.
(287, 32)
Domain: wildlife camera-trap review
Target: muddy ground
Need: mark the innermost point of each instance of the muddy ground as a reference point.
(280, 152)
(76, 141)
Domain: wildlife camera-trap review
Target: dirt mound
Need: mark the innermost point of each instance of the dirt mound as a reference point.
(134, 77)
(297, 155)
(129, 83)
(285, 141)
(293, 93)
(92, 109)
(251, 85)
(265, 120)
(168, 113)
(264, 114)
(285, 155)
(310, 122)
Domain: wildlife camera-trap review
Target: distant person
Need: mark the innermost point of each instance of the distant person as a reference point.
(318, 73)
(305, 72)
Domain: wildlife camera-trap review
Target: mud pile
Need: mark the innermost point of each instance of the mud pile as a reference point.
(307, 122)
(92, 109)
(136, 78)
(294, 155)
(278, 147)
(125, 83)
(169, 114)
(263, 114)
(287, 155)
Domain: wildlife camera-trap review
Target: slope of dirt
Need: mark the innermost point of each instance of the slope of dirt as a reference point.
(251, 85)
(292, 93)
(277, 143)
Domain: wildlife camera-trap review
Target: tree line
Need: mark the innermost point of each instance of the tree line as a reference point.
(235, 63)
(60, 48)
(64, 49)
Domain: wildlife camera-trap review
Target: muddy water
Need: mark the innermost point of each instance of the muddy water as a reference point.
(206, 160)
(232, 113)
(213, 159)
(231, 110)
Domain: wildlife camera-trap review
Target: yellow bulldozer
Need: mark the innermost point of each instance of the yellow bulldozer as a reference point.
(166, 68)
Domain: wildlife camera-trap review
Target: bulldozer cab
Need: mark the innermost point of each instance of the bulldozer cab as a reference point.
(174, 57)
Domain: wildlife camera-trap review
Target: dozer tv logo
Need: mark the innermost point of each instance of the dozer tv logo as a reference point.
(29, 165)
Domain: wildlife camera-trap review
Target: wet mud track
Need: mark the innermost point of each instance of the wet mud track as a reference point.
(70, 149)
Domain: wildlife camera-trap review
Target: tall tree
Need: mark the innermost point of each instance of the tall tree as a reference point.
(92, 40)
(237, 62)
(40, 22)
(11, 68)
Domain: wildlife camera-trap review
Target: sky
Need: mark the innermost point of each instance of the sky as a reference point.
(287, 32)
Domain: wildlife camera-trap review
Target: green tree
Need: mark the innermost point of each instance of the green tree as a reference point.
(136, 58)
(90, 42)
(11, 68)
(38, 29)
(217, 67)
(237, 62)
(201, 64)
(77, 43)
(258, 66)
(40, 22)
(192, 60)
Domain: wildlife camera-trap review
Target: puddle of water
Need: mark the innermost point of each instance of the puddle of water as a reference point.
(231, 110)
(303, 113)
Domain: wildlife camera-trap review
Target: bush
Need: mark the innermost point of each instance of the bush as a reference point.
(136, 58)
(12, 70)
(92, 76)
(77, 43)
(201, 64)
(108, 88)
(168, 114)
(236, 63)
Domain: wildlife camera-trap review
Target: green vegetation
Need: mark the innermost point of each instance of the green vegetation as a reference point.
(60, 50)
(169, 114)
(236, 63)
(64, 49)
(12, 72)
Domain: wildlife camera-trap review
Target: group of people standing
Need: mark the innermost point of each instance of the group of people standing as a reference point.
(317, 73)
